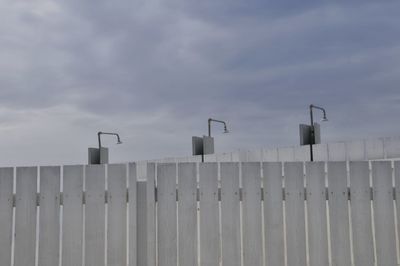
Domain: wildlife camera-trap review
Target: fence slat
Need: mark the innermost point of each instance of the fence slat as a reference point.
(187, 214)
(230, 214)
(49, 220)
(210, 158)
(356, 150)
(209, 224)
(338, 214)
(252, 227)
(95, 215)
(286, 154)
(132, 193)
(361, 214)
(397, 186)
(25, 216)
(116, 248)
(254, 156)
(384, 213)
(374, 149)
(336, 151)
(141, 224)
(273, 214)
(320, 152)
(295, 217)
(6, 214)
(392, 147)
(270, 155)
(72, 215)
(316, 211)
(224, 157)
(167, 235)
(151, 214)
(302, 153)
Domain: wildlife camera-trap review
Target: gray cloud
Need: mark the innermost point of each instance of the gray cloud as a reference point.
(156, 70)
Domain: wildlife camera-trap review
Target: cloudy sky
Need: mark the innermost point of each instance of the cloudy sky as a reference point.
(156, 70)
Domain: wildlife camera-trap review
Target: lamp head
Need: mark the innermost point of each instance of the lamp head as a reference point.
(324, 119)
(118, 139)
(226, 131)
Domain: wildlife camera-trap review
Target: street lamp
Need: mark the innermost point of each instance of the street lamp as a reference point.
(217, 121)
(205, 145)
(103, 152)
(312, 128)
(100, 155)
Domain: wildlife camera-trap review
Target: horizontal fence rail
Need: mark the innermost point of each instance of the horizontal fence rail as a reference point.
(197, 193)
(251, 213)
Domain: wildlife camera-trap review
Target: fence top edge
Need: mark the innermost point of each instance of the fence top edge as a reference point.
(374, 161)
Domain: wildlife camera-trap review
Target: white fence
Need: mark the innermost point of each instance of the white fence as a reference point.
(356, 150)
(209, 214)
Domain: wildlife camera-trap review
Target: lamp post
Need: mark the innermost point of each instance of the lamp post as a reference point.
(205, 145)
(312, 129)
(217, 121)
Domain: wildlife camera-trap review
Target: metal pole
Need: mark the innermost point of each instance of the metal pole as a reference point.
(311, 134)
(312, 128)
(99, 139)
(209, 127)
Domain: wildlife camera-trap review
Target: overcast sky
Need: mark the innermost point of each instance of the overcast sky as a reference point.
(155, 71)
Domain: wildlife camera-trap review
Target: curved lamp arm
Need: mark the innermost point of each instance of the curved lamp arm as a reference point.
(217, 121)
(107, 133)
(319, 108)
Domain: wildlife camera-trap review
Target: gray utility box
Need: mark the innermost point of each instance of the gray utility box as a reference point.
(208, 145)
(202, 145)
(96, 157)
(197, 146)
(305, 134)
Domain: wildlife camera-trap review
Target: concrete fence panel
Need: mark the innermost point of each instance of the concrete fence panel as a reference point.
(356, 150)
(392, 147)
